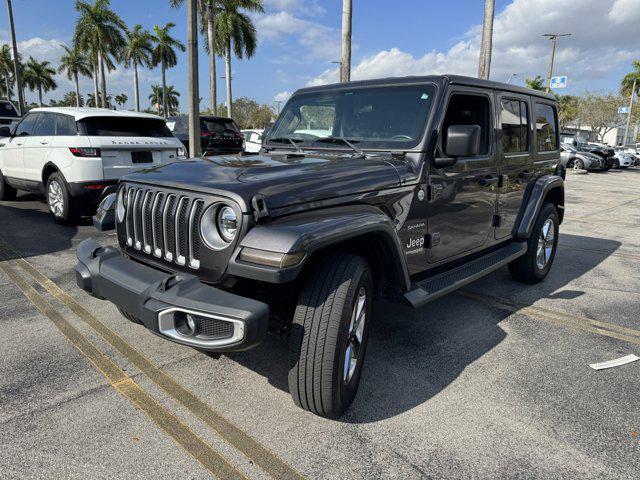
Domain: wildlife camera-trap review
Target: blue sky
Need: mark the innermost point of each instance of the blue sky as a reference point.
(300, 38)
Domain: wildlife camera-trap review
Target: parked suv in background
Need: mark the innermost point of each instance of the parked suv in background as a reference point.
(253, 140)
(72, 154)
(218, 135)
(418, 186)
(8, 112)
(605, 153)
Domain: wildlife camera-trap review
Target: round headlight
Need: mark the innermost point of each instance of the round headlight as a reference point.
(120, 210)
(227, 223)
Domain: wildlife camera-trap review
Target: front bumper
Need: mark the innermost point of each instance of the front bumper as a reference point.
(163, 301)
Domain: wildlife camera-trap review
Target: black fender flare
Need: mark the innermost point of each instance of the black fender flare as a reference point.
(538, 192)
(309, 232)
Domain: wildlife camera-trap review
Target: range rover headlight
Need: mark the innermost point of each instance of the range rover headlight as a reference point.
(120, 206)
(227, 223)
(219, 226)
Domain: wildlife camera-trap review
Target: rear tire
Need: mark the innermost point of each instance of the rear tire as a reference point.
(64, 206)
(7, 192)
(329, 335)
(534, 265)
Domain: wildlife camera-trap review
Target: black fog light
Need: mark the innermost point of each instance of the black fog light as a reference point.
(187, 324)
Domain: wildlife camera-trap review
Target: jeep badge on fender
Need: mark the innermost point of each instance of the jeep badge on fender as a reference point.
(300, 239)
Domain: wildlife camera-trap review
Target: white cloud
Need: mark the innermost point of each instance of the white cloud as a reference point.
(282, 97)
(597, 45)
(304, 7)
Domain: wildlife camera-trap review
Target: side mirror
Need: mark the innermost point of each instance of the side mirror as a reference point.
(463, 141)
(5, 131)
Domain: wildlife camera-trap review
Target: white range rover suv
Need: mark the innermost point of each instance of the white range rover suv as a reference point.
(71, 155)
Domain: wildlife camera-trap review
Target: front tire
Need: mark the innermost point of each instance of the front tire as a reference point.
(62, 204)
(329, 335)
(7, 192)
(542, 244)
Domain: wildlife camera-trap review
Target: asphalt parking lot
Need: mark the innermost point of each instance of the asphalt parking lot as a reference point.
(490, 382)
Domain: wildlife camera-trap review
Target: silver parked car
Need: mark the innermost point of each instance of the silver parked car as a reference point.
(572, 158)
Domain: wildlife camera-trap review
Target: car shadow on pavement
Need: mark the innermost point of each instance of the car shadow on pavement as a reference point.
(33, 231)
(413, 354)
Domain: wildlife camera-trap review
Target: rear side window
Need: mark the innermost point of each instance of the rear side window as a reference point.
(125, 127)
(46, 125)
(546, 128)
(26, 126)
(515, 126)
(218, 126)
(65, 125)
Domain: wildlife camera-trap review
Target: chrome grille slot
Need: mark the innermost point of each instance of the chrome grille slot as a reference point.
(165, 225)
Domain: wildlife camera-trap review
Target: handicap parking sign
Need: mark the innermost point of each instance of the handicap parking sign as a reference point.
(559, 82)
(622, 110)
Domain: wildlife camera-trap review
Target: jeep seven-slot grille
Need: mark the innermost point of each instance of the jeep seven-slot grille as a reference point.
(165, 225)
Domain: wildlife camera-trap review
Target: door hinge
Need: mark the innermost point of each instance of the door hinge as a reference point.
(434, 191)
(432, 239)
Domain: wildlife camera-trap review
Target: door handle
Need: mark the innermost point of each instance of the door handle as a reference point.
(44, 143)
(488, 181)
(526, 174)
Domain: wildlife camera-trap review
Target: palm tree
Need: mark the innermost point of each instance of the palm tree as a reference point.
(6, 66)
(166, 92)
(536, 83)
(164, 54)
(70, 99)
(630, 85)
(235, 29)
(39, 76)
(91, 100)
(121, 99)
(100, 30)
(484, 65)
(138, 51)
(75, 63)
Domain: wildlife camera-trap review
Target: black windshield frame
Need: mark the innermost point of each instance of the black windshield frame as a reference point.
(345, 106)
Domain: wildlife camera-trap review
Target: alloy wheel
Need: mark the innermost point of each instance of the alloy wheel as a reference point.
(56, 198)
(545, 244)
(356, 332)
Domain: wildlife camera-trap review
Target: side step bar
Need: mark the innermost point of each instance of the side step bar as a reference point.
(432, 288)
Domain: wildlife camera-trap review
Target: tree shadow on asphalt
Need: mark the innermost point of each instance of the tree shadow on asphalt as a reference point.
(414, 354)
(32, 231)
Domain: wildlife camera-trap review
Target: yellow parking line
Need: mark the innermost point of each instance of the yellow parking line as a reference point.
(579, 322)
(127, 387)
(236, 437)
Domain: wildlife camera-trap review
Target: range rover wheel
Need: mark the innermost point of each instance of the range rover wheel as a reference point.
(534, 266)
(63, 206)
(7, 192)
(329, 335)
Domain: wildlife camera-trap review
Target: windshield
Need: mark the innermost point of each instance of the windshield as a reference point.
(375, 117)
(125, 127)
(218, 126)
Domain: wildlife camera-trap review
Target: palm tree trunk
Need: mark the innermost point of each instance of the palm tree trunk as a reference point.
(227, 52)
(16, 65)
(8, 87)
(75, 77)
(103, 82)
(40, 95)
(484, 65)
(96, 95)
(211, 38)
(194, 89)
(345, 64)
(136, 92)
(164, 89)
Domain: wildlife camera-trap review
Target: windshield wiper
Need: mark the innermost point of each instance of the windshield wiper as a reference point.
(344, 141)
(292, 141)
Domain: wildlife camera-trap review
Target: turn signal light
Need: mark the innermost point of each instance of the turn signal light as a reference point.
(270, 259)
(85, 152)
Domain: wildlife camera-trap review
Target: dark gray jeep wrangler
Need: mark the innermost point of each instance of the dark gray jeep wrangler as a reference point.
(407, 188)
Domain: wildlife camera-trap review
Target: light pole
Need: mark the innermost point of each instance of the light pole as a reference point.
(484, 64)
(625, 140)
(16, 64)
(554, 41)
(511, 77)
(345, 66)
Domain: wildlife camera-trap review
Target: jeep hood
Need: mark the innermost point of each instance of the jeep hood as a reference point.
(283, 179)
